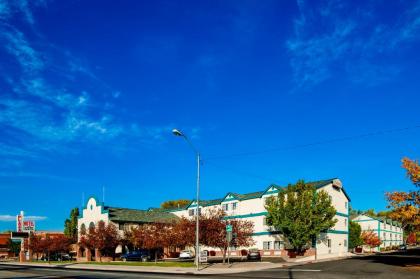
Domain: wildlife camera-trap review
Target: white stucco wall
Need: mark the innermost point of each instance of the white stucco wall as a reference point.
(254, 210)
(92, 213)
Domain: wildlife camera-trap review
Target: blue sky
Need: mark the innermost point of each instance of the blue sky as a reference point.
(90, 90)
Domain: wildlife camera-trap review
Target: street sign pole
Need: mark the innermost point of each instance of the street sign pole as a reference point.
(229, 239)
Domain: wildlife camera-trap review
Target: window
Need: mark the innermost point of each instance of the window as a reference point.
(266, 245)
(329, 243)
(345, 242)
(121, 226)
(345, 222)
(191, 212)
(278, 245)
(234, 205)
(346, 204)
(265, 221)
(225, 207)
(384, 235)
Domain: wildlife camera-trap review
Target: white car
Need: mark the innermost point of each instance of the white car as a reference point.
(186, 254)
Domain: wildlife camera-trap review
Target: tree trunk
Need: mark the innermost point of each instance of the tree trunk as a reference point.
(224, 249)
(155, 256)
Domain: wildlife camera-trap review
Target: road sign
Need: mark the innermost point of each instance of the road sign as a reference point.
(229, 228)
(19, 234)
(203, 257)
(28, 226)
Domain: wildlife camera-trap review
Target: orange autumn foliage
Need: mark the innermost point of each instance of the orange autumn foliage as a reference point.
(370, 239)
(405, 206)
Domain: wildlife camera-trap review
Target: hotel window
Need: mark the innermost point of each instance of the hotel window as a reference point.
(225, 207)
(345, 242)
(346, 204)
(329, 243)
(234, 205)
(345, 222)
(384, 235)
(278, 245)
(191, 212)
(266, 245)
(121, 226)
(265, 221)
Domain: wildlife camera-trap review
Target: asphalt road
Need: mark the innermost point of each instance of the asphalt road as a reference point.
(396, 265)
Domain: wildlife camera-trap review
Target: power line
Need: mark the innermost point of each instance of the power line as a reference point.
(348, 138)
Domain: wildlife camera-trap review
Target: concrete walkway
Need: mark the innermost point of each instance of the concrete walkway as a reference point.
(237, 267)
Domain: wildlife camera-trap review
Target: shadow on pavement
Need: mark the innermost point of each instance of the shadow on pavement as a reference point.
(410, 257)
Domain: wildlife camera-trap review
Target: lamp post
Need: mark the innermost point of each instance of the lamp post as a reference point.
(178, 133)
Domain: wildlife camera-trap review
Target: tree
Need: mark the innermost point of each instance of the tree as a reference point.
(411, 238)
(355, 231)
(87, 238)
(13, 246)
(213, 231)
(300, 214)
(174, 204)
(35, 244)
(405, 206)
(152, 237)
(70, 225)
(370, 239)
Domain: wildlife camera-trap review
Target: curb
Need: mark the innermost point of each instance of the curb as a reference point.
(74, 267)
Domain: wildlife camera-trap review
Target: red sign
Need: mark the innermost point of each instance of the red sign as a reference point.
(28, 226)
(19, 223)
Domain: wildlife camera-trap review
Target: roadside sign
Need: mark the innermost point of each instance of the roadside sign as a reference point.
(229, 228)
(19, 234)
(19, 222)
(203, 257)
(28, 226)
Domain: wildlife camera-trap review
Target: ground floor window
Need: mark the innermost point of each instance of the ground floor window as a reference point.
(329, 243)
(267, 245)
(345, 242)
(278, 245)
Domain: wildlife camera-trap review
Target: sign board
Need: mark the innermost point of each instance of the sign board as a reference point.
(19, 223)
(203, 256)
(28, 226)
(19, 234)
(229, 228)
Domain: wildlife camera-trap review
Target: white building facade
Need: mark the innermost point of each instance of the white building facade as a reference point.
(388, 231)
(333, 242)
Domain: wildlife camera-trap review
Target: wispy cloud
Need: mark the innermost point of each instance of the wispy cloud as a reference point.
(41, 109)
(336, 38)
(12, 218)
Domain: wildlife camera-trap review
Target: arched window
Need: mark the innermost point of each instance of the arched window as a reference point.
(83, 229)
(91, 225)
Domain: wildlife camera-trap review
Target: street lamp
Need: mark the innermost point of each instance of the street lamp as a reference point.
(178, 133)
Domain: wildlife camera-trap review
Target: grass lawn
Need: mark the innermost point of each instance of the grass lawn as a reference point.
(163, 264)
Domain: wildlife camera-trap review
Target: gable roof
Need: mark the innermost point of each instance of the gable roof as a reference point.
(259, 194)
(122, 215)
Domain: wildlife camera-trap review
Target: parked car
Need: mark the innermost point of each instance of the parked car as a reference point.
(186, 254)
(402, 247)
(138, 255)
(253, 255)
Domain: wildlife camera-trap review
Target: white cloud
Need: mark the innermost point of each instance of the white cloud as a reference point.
(336, 37)
(12, 218)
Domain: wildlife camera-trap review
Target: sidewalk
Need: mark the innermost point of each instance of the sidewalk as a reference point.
(218, 268)
(209, 269)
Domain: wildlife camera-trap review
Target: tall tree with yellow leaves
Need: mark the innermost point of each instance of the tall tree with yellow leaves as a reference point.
(405, 206)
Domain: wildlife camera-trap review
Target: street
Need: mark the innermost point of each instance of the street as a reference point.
(395, 265)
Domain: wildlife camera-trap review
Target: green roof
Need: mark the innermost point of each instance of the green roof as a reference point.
(125, 215)
(317, 184)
